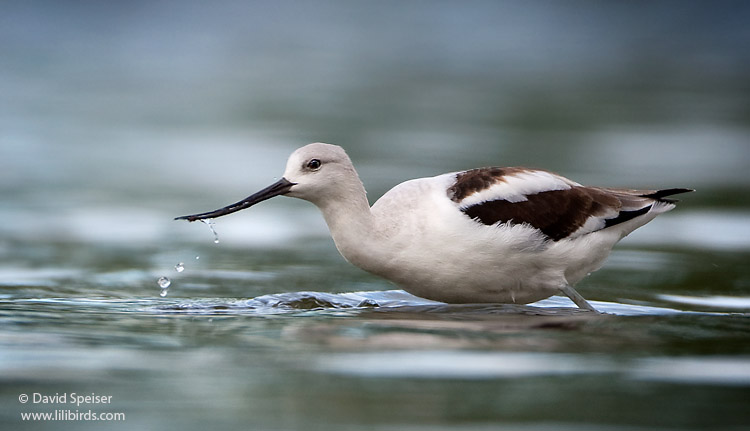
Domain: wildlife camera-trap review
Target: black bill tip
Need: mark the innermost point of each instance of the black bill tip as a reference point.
(280, 187)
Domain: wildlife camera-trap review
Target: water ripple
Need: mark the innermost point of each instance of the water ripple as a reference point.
(305, 301)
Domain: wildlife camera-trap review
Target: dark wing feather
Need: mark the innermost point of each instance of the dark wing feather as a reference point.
(557, 213)
(556, 206)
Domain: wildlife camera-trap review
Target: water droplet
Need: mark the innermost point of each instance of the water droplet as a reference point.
(197, 257)
(210, 224)
(179, 267)
(163, 292)
(164, 282)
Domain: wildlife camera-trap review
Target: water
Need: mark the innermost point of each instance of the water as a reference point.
(113, 122)
(163, 282)
(210, 223)
(293, 337)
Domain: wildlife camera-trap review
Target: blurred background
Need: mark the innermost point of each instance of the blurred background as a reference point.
(115, 117)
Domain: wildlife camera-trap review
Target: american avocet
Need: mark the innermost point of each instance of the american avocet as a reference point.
(490, 235)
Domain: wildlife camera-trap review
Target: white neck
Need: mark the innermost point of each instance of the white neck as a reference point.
(353, 226)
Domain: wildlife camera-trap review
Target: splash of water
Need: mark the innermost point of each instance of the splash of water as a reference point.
(179, 267)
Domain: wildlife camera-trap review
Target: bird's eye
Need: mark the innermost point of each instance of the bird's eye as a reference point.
(313, 164)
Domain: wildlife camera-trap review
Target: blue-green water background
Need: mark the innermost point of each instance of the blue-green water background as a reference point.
(117, 116)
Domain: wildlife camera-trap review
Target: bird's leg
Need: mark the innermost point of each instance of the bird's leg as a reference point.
(576, 297)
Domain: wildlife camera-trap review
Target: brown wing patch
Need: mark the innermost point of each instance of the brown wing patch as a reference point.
(557, 213)
(475, 180)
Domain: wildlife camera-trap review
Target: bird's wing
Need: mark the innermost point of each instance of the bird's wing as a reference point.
(556, 206)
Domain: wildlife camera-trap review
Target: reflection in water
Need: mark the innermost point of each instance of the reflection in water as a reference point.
(716, 302)
(310, 348)
(451, 364)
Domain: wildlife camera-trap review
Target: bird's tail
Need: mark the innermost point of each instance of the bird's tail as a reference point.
(638, 202)
(659, 195)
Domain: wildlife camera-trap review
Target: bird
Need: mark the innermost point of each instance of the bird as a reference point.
(506, 235)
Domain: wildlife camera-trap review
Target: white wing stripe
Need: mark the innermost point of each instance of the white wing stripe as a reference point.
(516, 187)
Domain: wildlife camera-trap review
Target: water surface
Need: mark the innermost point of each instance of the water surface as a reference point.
(296, 338)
